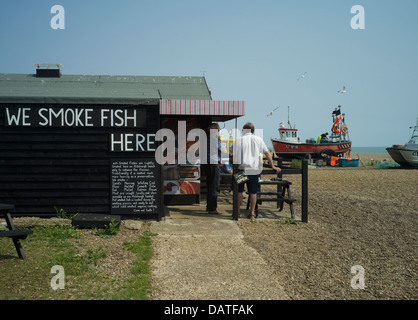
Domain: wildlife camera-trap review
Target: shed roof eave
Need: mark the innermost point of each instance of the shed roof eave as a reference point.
(78, 100)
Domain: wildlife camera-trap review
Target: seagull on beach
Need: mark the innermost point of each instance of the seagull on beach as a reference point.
(271, 112)
(343, 90)
(302, 76)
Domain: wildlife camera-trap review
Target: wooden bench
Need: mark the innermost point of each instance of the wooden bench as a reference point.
(13, 233)
(280, 197)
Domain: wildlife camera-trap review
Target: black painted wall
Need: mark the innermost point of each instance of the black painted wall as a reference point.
(42, 167)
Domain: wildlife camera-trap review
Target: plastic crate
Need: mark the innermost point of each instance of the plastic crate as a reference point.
(348, 163)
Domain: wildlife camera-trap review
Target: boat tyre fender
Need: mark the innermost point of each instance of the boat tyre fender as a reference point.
(327, 153)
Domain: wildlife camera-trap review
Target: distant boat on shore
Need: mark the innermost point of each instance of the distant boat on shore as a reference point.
(289, 146)
(406, 154)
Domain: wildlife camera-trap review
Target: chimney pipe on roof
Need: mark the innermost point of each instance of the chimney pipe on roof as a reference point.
(48, 70)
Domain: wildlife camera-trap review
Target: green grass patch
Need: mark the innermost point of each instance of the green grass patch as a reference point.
(287, 221)
(138, 287)
(109, 230)
(81, 259)
(296, 163)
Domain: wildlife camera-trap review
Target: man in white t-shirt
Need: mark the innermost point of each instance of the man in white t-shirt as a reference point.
(247, 152)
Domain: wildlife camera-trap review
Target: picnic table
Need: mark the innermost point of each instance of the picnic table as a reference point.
(281, 196)
(13, 233)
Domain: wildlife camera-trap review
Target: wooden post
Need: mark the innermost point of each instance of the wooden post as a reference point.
(304, 190)
(234, 195)
(280, 176)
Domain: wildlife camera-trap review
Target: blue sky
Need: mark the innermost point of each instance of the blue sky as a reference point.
(250, 50)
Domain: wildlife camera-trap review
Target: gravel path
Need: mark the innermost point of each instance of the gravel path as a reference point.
(206, 258)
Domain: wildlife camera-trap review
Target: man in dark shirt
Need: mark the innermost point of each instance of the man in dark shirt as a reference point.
(213, 169)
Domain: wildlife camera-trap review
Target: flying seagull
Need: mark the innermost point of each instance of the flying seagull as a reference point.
(343, 90)
(271, 112)
(302, 76)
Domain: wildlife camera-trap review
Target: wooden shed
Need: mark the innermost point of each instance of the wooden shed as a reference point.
(86, 144)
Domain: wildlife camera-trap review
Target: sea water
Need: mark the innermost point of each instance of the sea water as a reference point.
(369, 150)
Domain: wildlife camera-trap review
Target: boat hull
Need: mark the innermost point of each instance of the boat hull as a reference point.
(404, 157)
(301, 150)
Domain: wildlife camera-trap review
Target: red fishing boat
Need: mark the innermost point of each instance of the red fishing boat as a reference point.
(289, 146)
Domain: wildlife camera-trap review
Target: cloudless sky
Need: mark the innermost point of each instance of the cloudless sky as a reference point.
(249, 50)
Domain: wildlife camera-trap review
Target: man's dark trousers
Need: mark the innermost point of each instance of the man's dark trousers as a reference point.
(213, 182)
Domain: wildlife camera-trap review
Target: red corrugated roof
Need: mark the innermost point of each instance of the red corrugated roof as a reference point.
(202, 107)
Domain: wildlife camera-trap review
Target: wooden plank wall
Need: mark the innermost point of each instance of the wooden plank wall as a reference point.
(68, 168)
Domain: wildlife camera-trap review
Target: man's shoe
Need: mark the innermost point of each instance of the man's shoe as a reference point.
(251, 217)
(216, 211)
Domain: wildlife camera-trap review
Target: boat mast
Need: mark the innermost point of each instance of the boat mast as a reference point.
(415, 128)
(344, 125)
(339, 128)
(415, 131)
